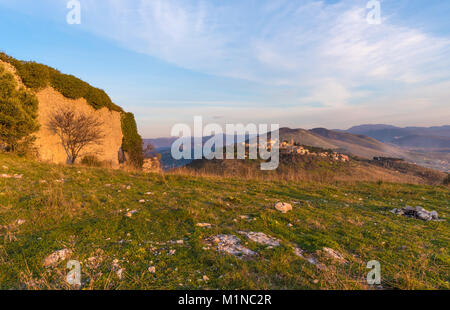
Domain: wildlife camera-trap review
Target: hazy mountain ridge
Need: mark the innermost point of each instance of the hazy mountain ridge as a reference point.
(437, 137)
(355, 144)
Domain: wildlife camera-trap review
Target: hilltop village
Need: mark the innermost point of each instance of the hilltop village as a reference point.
(293, 148)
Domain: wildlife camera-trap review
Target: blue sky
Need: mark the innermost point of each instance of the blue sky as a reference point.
(297, 63)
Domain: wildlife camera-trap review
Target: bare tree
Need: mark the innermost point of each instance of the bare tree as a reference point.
(76, 131)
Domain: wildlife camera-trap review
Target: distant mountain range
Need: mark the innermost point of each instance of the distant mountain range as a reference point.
(428, 147)
(419, 138)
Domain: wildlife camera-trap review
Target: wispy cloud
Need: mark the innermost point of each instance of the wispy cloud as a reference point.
(320, 61)
(316, 47)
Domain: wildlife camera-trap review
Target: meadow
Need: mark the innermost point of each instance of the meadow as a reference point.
(131, 230)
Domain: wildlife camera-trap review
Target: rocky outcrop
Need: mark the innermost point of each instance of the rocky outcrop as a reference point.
(417, 213)
(49, 145)
(151, 165)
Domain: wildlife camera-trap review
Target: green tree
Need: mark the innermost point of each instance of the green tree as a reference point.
(18, 112)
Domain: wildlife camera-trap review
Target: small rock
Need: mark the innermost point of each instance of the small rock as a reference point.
(130, 213)
(230, 244)
(120, 273)
(180, 241)
(57, 256)
(283, 207)
(335, 254)
(205, 225)
(205, 278)
(152, 269)
(142, 201)
(20, 222)
(261, 238)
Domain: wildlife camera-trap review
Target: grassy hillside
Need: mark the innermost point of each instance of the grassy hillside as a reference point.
(45, 208)
(294, 167)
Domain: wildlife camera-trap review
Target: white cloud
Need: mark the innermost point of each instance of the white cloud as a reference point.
(328, 56)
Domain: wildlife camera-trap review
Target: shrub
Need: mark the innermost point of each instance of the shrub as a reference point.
(69, 86)
(18, 114)
(38, 76)
(132, 141)
(447, 180)
(34, 75)
(91, 161)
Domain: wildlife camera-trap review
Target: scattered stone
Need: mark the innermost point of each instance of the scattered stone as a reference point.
(418, 213)
(230, 244)
(180, 241)
(20, 222)
(120, 273)
(149, 193)
(205, 278)
(130, 213)
(261, 238)
(128, 187)
(204, 225)
(335, 255)
(283, 207)
(5, 167)
(57, 256)
(8, 176)
(152, 269)
(172, 252)
(108, 185)
(301, 253)
(142, 201)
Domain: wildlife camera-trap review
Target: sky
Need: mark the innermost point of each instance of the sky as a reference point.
(297, 63)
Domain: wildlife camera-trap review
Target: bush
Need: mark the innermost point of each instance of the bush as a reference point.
(38, 76)
(447, 180)
(18, 114)
(91, 161)
(132, 141)
(69, 86)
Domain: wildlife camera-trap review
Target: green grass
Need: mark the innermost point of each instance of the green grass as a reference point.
(87, 216)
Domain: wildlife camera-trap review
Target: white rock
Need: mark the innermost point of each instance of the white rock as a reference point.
(152, 269)
(130, 213)
(230, 244)
(57, 256)
(261, 238)
(283, 207)
(205, 225)
(335, 254)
